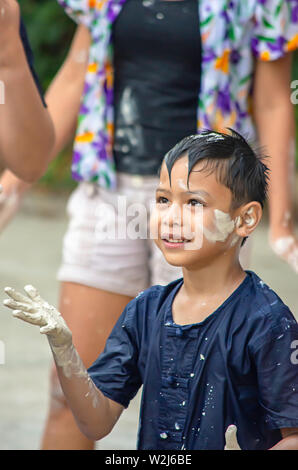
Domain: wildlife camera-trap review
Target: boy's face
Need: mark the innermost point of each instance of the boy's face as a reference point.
(193, 224)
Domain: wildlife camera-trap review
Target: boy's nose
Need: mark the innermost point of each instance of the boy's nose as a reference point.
(175, 215)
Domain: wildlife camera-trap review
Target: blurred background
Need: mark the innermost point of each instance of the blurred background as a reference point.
(30, 250)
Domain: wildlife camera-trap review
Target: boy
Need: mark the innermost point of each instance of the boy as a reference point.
(211, 349)
(26, 129)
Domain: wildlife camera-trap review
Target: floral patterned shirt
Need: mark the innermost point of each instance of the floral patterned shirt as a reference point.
(234, 34)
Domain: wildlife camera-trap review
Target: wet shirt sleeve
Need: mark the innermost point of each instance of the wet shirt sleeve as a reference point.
(275, 30)
(30, 58)
(276, 362)
(115, 372)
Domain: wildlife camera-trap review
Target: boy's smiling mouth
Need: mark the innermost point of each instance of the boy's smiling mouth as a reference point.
(171, 241)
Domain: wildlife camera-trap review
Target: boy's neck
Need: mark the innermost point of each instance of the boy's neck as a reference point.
(204, 290)
(210, 280)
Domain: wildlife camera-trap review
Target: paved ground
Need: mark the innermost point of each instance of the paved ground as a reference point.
(30, 253)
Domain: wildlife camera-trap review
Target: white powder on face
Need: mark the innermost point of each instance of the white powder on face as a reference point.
(223, 227)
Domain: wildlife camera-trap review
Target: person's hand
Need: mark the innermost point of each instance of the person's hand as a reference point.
(9, 16)
(231, 438)
(33, 309)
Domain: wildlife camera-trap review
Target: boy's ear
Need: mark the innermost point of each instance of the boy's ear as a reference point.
(248, 218)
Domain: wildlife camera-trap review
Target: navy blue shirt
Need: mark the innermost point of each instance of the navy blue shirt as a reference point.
(238, 366)
(30, 58)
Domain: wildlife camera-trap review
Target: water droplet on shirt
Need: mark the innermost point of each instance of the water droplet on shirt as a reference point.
(202, 358)
(177, 427)
(120, 133)
(160, 16)
(163, 435)
(192, 374)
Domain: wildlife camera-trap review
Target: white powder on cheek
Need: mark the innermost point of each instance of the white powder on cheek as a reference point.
(223, 227)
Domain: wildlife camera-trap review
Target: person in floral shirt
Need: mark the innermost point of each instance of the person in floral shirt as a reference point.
(245, 71)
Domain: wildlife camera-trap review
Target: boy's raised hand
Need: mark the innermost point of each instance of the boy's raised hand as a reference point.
(231, 438)
(33, 309)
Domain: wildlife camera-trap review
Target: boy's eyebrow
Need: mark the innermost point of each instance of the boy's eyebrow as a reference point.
(199, 192)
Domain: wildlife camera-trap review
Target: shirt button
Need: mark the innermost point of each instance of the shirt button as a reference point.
(172, 382)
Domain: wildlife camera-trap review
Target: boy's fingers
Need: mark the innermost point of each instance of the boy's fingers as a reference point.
(19, 306)
(32, 293)
(13, 294)
(46, 329)
(27, 317)
(231, 438)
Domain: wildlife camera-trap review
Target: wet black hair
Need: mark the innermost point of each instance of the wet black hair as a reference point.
(236, 164)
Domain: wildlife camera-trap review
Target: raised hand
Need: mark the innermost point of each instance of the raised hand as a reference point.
(33, 309)
(231, 438)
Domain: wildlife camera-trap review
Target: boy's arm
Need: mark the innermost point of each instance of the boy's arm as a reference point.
(95, 414)
(26, 129)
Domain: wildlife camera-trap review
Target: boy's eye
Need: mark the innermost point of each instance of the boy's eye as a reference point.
(162, 200)
(195, 202)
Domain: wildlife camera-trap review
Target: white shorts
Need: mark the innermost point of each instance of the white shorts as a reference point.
(94, 254)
